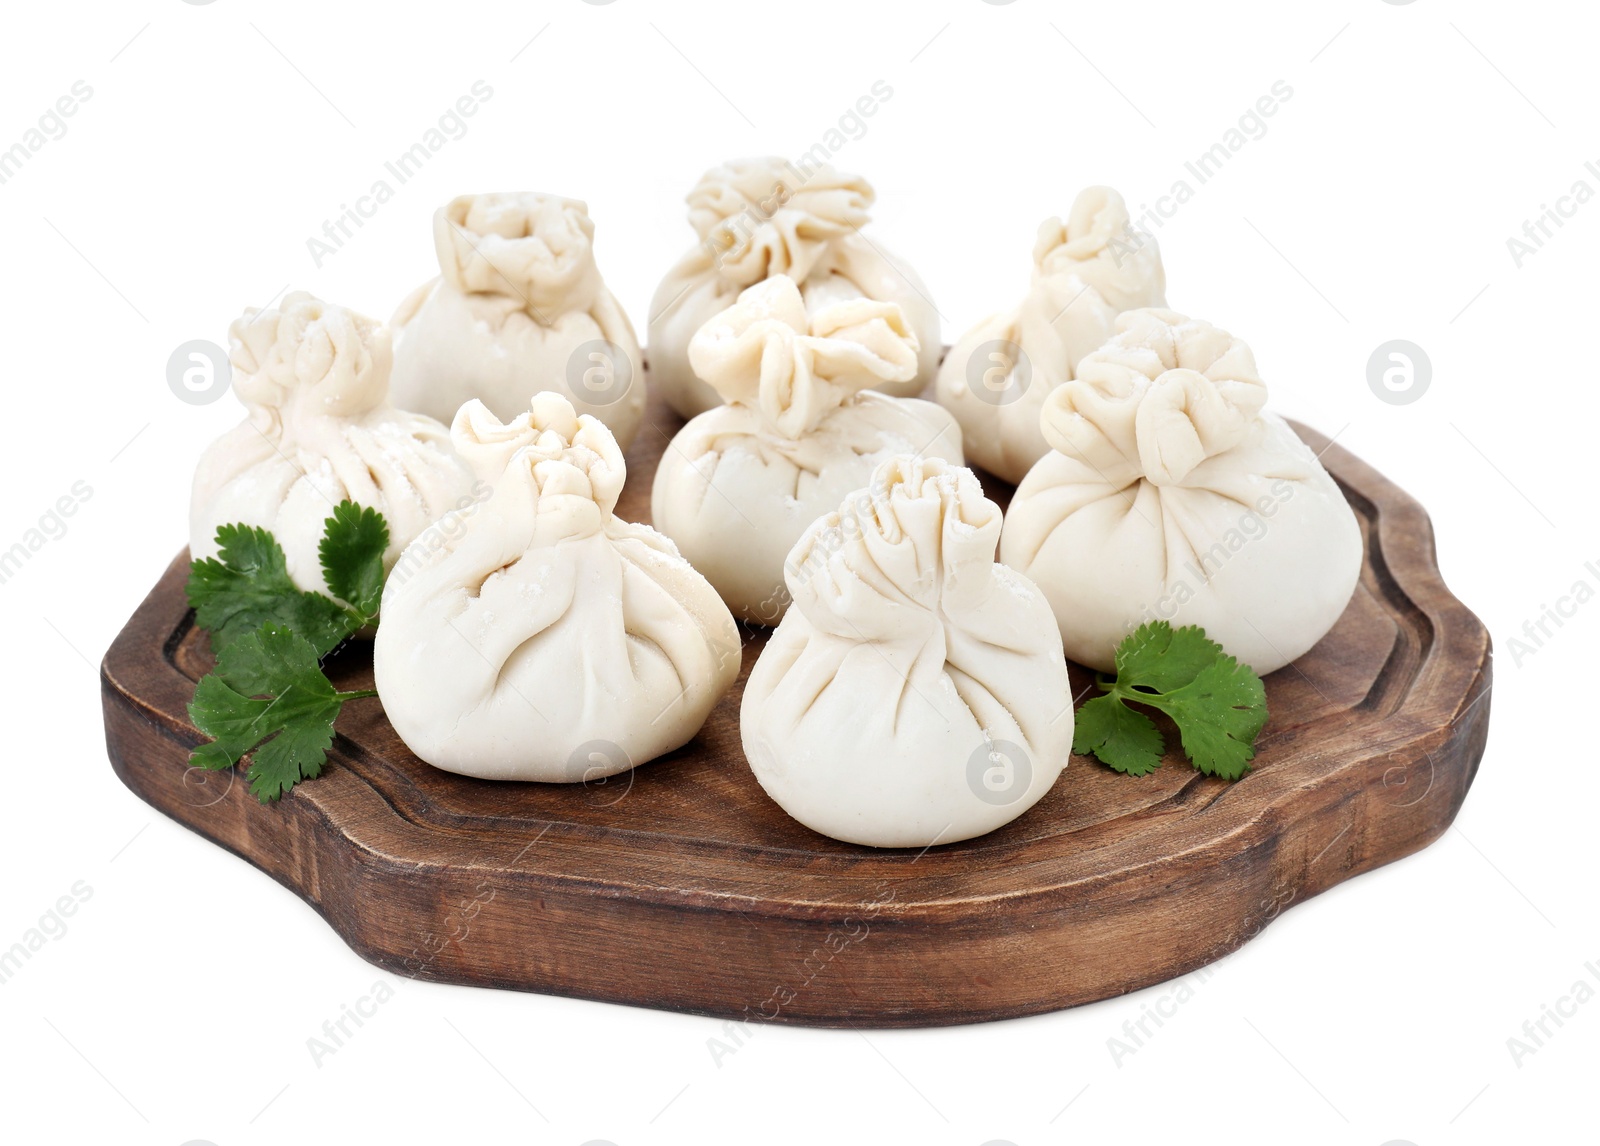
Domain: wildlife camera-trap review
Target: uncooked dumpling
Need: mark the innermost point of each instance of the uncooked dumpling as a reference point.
(1170, 495)
(315, 380)
(916, 693)
(1086, 271)
(741, 482)
(537, 636)
(519, 307)
(762, 217)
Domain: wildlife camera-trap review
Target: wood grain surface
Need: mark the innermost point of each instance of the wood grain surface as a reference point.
(681, 885)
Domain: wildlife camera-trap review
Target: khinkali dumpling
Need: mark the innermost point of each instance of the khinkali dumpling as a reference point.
(315, 380)
(741, 482)
(546, 638)
(762, 217)
(1170, 495)
(1085, 272)
(916, 693)
(519, 307)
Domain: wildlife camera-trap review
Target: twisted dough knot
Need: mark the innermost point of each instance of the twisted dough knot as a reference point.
(1168, 391)
(551, 446)
(919, 542)
(765, 216)
(313, 355)
(528, 246)
(766, 352)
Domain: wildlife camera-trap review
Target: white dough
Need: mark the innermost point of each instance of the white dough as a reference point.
(1085, 272)
(315, 380)
(1170, 495)
(537, 636)
(916, 693)
(741, 482)
(762, 217)
(519, 307)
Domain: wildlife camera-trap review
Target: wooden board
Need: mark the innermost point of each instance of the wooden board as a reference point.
(681, 885)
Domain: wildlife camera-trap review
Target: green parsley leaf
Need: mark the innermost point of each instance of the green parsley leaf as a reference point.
(1126, 740)
(353, 542)
(1218, 704)
(1218, 715)
(247, 584)
(1158, 658)
(267, 698)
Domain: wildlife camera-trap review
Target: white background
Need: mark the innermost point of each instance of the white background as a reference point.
(218, 138)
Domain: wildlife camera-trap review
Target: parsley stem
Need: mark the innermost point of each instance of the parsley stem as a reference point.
(357, 695)
(1137, 696)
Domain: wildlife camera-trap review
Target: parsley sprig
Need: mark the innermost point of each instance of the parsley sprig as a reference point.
(269, 698)
(247, 584)
(1218, 704)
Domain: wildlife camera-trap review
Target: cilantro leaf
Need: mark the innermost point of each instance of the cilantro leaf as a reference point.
(352, 547)
(264, 660)
(1218, 704)
(268, 698)
(1126, 740)
(247, 585)
(1218, 715)
(1159, 658)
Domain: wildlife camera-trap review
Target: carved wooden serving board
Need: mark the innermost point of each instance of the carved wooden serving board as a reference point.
(681, 885)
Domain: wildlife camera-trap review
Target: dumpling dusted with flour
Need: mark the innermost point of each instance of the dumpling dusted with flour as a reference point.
(1086, 271)
(519, 307)
(801, 428)
(546, 638)
(315, 380)
(1170, 495)
(757, 218)
(915, 694)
